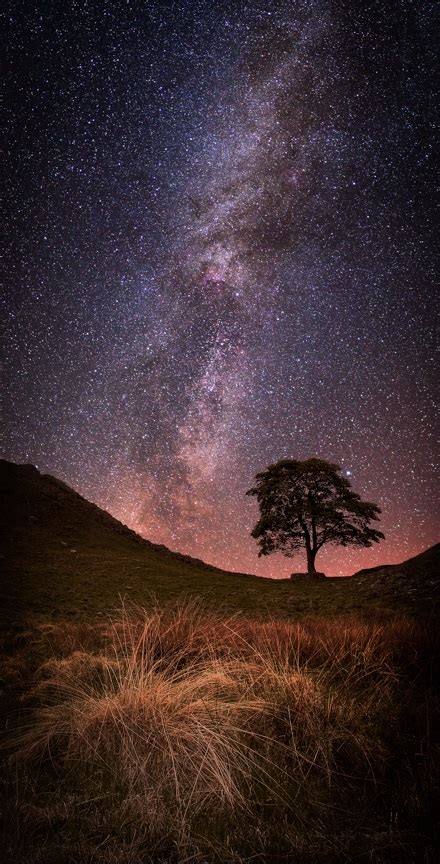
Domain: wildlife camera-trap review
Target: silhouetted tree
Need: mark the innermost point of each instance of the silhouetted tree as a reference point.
(307, 504)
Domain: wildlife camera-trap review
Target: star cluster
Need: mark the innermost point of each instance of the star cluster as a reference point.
(220, 254)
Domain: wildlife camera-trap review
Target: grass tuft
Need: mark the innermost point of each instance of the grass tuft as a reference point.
(181, 735)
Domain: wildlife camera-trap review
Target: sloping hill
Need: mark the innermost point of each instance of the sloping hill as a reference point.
(45, 507)
(64, 556)
(415, 582)
(427, 561)
(63, 553)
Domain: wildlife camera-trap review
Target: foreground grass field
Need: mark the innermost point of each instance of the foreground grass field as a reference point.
(185, 736)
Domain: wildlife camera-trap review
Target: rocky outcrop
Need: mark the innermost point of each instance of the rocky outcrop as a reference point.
(308, 576)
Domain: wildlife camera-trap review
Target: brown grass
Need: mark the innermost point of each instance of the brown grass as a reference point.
(183, 725)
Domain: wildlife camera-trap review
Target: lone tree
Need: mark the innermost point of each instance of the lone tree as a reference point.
(307, 504)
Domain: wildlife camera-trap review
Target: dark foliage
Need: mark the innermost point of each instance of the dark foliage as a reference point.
(307, 504)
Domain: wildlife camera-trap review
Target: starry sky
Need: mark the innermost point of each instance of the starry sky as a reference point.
(220, 254)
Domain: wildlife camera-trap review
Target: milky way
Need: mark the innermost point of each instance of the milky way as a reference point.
(221, 254)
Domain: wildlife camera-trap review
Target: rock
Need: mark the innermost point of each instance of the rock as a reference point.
(308, 576)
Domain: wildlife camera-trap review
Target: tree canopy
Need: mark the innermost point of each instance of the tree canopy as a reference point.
(308, 504)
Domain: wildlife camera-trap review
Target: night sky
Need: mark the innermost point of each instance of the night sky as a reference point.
(220, 253)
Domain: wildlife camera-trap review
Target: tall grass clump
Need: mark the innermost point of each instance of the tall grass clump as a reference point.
(180, 735)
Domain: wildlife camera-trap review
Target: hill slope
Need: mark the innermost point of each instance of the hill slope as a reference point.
(65, 556)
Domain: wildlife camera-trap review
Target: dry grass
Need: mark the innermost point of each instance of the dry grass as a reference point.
(161, 732)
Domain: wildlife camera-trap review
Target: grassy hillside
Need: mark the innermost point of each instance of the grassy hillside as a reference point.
(66, 557)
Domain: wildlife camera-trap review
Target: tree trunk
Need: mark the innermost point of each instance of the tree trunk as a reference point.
(311, 555)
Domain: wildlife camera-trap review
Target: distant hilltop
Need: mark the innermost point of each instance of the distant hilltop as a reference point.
(76, 510)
